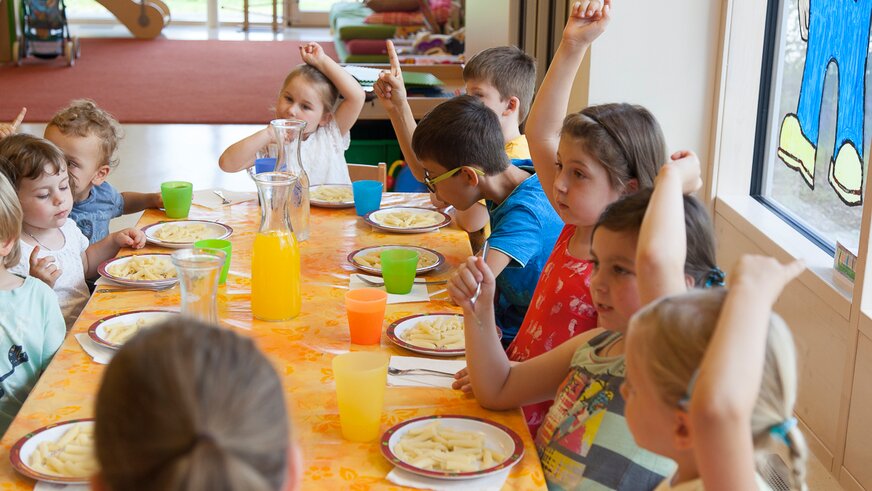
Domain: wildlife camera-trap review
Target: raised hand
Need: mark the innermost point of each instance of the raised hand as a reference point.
(132, 238)
(688, 164)
(44, 269)
(312, 54)
(12, 128)
(389, 88)
(766, 275)
(587, 20)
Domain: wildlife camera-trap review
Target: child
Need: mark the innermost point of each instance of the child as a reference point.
(310, 93)
(53, 249)
(89, 137)
(31, 324)
(7, 129)
(503, 78)
(460, 149)
(185, 405)
(584, 442)
(701, 367)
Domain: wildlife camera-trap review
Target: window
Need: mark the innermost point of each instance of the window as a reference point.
(811, 151)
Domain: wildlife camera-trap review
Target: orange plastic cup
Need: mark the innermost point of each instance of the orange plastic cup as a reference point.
(366, 314)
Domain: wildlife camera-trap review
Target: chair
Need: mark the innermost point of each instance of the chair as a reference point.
(362, 172)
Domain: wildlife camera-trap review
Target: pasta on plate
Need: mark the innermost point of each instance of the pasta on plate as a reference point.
(437, 448)
(143, 268)
(333, 194)
(436, 333)
(373, 259)
(121, 332)
(70, 456)
(193, 232)
(408, 219)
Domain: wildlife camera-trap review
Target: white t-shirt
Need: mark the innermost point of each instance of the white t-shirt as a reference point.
(696, 485)
(323, 155)
(70, 286)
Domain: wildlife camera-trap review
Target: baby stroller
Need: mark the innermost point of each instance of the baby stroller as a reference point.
(45, 32)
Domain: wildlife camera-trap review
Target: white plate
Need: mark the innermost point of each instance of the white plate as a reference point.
(331, 204)
(497, 437)
(436, 258)
(103, 269)
(97, 331)
(397, 328)
(376, 219)
(19, 456)
(214, 230)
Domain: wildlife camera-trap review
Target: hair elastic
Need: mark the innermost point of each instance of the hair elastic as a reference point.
(715, 277)
(782, 429)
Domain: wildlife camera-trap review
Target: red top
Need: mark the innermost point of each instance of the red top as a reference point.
(561, 309)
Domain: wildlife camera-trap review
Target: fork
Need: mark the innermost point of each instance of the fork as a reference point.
(136, 289)
(382, 283)
(407, 371)
(224, 200)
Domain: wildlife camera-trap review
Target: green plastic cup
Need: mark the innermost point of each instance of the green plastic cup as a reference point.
(221, 245)
(398, 270)
(177, 197)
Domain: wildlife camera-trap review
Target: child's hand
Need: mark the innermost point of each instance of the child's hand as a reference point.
(12, 128)
(44, 269)
(587, 20)
(132, 238)
(156, 201)
(465, 281)
(312, 54)
(688, 164)
(765, 275)
(462, 383)
(389, 88)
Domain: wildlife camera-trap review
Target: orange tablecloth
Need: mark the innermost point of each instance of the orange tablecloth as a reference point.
(301, 350)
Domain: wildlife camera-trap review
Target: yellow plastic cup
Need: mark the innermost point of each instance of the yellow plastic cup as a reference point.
(361, 378)
(366, 314)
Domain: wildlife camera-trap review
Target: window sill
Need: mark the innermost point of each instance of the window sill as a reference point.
(778, 239)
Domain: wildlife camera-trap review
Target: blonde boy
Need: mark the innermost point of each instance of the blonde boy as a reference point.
(503, 78)
(89, 137)
(31, 324)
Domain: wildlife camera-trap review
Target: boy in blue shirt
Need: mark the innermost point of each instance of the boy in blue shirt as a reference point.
(89, 137)
(31, 325)
(460, 147)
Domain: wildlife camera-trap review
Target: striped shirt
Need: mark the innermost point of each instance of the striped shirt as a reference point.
(584, 442)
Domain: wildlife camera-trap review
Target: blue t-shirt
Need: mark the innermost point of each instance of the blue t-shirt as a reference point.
(524, 227)
(92, 215)
(31, 331)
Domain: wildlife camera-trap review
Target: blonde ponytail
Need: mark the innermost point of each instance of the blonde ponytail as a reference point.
(676, 332)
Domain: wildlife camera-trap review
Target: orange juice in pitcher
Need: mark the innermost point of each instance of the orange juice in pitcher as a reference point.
(276, 293)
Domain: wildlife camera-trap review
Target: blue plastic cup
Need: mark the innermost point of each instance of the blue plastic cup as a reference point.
(265, 164)
(367, 196)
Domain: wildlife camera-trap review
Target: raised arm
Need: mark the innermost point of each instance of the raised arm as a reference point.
(391, 92)
(496, 383)
(662, 245)
(352, 93)
(587, 20)
(241, 154)
(730, 374)
(12, 128)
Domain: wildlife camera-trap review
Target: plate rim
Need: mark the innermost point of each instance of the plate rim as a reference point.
(330, 204)
(446, 220)
(515, 457)
(228, 231)
(92, 330)
(440, 258)
(103, 271)
(18, 464)
(391, 333)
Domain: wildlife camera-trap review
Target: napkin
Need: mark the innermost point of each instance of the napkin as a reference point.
(493, 482)
(420, 379)
(44, 486)
(419, 293)
(100, 354)
(208, 199)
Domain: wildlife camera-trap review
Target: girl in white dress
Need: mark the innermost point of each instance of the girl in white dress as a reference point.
(310, 93)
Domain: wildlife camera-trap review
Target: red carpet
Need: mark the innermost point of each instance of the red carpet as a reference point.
(157, 81)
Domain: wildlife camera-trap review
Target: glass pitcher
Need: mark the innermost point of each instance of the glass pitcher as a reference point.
(289, 135)
(276, 293)
(199, 271)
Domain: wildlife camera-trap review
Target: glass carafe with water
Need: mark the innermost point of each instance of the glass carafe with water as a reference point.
(276, 293)
(289, 135)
